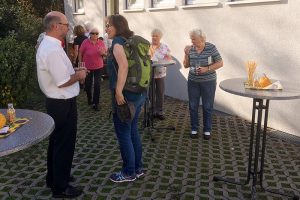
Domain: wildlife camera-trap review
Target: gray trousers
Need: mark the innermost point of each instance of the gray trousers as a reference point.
(159, 93)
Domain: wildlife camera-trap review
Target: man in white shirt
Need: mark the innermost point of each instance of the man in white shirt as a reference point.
(60, 84)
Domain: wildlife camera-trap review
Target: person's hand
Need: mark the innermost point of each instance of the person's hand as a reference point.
(81, 74)
(102, 51)
(201, 70)
(187, 49)
(120, 98)
(80, 68)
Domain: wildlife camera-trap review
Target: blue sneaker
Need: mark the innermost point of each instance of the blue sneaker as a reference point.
(119, 177)
(140, 173)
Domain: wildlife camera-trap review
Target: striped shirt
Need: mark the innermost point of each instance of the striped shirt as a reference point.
(208, 56)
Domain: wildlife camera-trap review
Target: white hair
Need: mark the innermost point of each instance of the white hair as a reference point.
(157, 31)
(94, 29)
(198, 33)
(88, 26)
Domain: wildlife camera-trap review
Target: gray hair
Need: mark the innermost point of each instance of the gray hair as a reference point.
(88, 26)
(94, 29)
(157, 31)
(49, 20)
(198, 33)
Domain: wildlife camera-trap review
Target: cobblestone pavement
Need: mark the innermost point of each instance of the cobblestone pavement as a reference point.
(177, 167)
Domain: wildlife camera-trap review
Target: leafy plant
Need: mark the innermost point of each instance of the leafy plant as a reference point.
(17, 67)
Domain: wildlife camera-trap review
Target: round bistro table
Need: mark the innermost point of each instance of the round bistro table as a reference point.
(261, 99)
(39, 126)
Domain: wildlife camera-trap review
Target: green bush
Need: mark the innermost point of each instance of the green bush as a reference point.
(17, 67)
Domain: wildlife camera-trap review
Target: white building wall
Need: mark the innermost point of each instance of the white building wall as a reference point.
(265, 32)
(94, 13)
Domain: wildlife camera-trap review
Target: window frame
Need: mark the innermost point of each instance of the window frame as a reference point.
(198, 2)
(140, 6)
(77, 9)
(163, 4)
(239, 2)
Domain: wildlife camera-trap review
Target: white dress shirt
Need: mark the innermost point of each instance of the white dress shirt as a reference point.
(54, 68)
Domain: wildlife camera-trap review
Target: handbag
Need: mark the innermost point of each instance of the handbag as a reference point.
(126, 112)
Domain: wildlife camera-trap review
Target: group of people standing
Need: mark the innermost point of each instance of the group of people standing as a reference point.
(59, 81)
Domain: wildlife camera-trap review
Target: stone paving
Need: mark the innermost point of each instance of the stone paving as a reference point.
(177, 167)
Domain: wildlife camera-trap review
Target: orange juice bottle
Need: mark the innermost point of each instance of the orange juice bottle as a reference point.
(11, 114)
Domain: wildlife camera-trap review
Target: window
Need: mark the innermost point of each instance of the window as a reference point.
(134, 4)
(78, 6)
(194, 2)
(237, 2)
(162, 3)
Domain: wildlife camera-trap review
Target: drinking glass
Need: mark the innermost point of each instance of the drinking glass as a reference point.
(250, 67)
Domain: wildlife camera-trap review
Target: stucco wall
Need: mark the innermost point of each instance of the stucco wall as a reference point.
(265, 32)
(94, 12)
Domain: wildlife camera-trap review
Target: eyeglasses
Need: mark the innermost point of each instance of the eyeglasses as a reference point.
(108, 25)
(67, 25)
(94, 33)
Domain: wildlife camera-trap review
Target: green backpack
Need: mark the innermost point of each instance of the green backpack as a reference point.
(139, 64)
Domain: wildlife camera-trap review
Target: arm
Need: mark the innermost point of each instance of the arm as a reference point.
(211, 67)
(103, 49)
(76, 48)
(186, 61)
(79, 57)
(218, 62)
(121, 59)
(78, 76)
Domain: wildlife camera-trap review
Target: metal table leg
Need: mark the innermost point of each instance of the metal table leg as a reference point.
(258, 104)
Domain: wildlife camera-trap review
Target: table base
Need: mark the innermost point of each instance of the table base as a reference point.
(259, 106)
(148, 121)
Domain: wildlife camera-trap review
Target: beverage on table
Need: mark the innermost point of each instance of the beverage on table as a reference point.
(11, 114)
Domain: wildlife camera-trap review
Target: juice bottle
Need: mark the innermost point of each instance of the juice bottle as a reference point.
(11, 114)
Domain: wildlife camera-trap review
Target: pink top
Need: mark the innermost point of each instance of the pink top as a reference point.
(91, 54)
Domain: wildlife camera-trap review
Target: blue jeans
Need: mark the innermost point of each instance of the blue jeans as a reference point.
(129, 138)
(206, 90)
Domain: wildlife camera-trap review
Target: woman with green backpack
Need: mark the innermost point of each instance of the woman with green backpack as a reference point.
(126, 129)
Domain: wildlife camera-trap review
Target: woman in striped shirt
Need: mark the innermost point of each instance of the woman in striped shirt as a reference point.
(203, 59)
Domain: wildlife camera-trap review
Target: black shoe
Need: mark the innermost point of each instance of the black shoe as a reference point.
(194, 134)
(161, 117)
(49, 185)
(69, 192)
(71, 179)
(95, 107)
(206, 135)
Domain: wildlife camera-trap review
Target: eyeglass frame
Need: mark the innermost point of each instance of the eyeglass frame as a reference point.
(92, 33)
(67, 24)
(108, 25)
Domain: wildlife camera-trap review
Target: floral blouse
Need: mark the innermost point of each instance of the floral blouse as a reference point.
(158, 54)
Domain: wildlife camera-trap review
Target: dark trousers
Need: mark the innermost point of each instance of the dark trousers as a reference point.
(159, 94)
(61, 141)
(93, 76)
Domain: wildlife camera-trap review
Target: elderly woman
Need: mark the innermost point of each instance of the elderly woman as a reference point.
(91, 53)
(158, 52)
(203, 59)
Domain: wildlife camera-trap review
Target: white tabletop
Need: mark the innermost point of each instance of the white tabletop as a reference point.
(163, 63)
(40, 126)
(236, 86)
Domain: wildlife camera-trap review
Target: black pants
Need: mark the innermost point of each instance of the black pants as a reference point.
(93, 76)
(61, 141)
